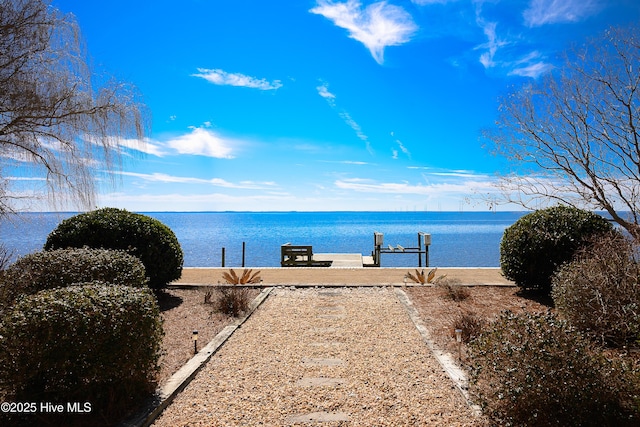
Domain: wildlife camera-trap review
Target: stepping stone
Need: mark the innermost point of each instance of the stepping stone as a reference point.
(318, 417)
(330, 316)
(327, 344)
(308, 361)
(331, 308)
(330, 294)
(324, 330)
(321, 382)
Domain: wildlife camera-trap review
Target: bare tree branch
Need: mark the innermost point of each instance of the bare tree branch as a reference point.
(55, 121)
(573, 136)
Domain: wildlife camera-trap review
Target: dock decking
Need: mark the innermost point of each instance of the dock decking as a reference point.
(345, 260)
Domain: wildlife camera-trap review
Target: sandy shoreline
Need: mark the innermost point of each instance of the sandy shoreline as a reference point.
(341, 276)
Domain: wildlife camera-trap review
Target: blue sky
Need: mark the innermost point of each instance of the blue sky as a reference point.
(324, 105)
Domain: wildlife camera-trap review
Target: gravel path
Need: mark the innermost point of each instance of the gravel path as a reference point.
(341, 356)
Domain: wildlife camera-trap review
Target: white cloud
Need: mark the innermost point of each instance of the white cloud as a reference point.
(222, 78)
(323, 91)
(200, 141)
(377, 26)
(541, 12)
(217, 182)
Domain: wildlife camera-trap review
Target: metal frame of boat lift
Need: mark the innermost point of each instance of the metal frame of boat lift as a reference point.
(423, 239)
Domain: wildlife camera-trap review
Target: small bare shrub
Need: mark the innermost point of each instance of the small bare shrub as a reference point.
(232, 300)
(452, 290)
(471, 325)
(533, 369)
(599, 292)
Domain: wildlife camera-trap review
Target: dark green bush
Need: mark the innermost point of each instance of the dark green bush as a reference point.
(537, 244)
(534, 370)
(63, 267)
(599, 292)
(86, 343)
(147, 238)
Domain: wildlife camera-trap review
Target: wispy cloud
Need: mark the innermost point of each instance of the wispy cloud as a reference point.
(456, 188)
(400, 146)
(376, 26)
(532, 70)
(223, 78)
(542, 12)
(532, 64)
(346, 162)
(323, 91)
(490, 48)
(430, 2)
(149, 146)
(217, 182)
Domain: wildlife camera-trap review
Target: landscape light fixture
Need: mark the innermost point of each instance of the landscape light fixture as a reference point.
(195, 342)
(459, 340)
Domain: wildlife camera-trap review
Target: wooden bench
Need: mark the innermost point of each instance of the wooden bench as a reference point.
(299, 256)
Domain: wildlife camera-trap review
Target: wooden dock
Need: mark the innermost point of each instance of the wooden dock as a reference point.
(345, 260)
(303, 256)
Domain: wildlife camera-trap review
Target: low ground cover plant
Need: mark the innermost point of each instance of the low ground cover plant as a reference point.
(533, 369)
(91, 343)
(63, 267)
(142, 236)
(536, 245)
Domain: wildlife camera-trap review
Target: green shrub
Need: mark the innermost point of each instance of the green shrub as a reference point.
(537, 244)
(599, 292)
(147, 238)
(534, 370)
(63, 267)
(86, 343)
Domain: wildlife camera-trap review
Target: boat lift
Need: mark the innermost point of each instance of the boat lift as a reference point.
(424, 241)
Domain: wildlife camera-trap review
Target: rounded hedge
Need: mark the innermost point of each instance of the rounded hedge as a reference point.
(538, 243)
(599, 291)
(535, 370)
(91, 343)
(147, 238)
(63, 267)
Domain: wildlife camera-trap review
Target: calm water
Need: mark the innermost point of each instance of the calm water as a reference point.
(461, 239)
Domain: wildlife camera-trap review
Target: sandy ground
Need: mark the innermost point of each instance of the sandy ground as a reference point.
(304, 276)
